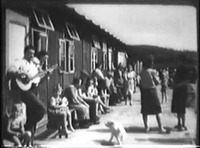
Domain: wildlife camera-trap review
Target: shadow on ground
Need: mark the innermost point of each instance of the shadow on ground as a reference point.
(136, 129)
(168, 141)
(104, 142)
(101, 130)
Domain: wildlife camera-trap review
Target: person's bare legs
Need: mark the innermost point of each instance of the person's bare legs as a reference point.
(69, 119)
(183, 121)
(165, 95)
(179, 125)
(126, 99)
(131, 97)
(101, 103)
(16, 141)
(158, 118)
(162, 97)
(27, 138)
(145, 120)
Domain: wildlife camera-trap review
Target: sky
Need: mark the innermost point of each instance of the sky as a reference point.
(158, 25)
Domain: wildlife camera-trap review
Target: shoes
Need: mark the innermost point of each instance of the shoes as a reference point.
(180, 127)
(106, 110)
(177, 126)
(185, 128)
(62, 132)
(147, 130)
(96, 122)
(66, 135)
(162, 130)
(71, 129)
(84, 126)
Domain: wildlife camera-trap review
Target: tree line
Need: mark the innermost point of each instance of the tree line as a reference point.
(164, 57)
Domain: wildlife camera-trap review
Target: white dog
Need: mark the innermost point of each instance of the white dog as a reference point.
(117, 131)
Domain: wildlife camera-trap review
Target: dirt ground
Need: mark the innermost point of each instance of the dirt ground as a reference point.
(131, 119)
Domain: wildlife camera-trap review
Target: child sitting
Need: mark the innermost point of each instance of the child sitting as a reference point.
(57, 102)
(15, 128)
(93, 92)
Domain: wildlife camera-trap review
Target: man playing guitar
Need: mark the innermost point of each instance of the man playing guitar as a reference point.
(23, 70)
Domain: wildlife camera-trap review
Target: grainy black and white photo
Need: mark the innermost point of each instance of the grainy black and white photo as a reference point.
(99, 73)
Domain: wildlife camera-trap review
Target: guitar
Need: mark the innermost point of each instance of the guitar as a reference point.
(35, 79)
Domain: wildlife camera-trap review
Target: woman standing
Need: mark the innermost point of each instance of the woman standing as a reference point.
(181, 92)
(129, 84)
(149, 94)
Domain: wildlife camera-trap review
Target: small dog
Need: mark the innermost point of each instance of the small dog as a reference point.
(117, 131)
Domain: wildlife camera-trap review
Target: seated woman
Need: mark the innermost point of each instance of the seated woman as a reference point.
(76, 102)
(92, 92)
(94, 117)
(103, 91)
(59, 102)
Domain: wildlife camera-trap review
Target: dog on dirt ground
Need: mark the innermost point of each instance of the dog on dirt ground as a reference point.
(117, 131)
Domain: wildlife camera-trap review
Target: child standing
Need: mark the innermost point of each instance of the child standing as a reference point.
(15, 128)
(164, 84)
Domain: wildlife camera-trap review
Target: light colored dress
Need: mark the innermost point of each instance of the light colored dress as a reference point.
(74, 103)
(131, 78)
(150, 103)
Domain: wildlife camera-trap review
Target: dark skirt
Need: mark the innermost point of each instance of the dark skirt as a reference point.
(150, 103)
(163, 88)
(179, 98)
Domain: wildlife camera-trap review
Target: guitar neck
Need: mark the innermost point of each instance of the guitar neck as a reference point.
(43, 73)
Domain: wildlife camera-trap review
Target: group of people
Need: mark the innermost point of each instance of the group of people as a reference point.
(89, 95)
(183, 96)
(121, 84)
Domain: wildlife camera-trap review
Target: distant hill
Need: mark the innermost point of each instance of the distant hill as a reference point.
(164, 57)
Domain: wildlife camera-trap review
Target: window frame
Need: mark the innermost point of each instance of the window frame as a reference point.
(39, 46)
(96, 44)
(76, 35)
(42, 34)
(43, 16)
(105, 56)
(71, 49)
(110, 52)
(94, 58)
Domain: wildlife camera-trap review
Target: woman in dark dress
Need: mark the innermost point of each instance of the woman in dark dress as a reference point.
(150, 104)
(180, 93)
